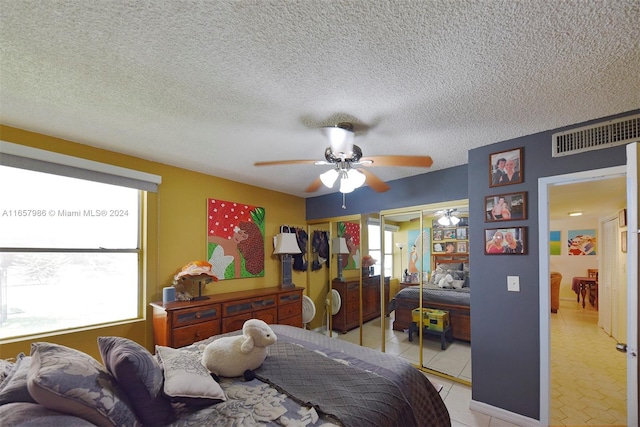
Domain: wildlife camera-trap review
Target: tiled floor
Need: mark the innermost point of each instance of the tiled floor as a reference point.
(585, 390)
(588, 375)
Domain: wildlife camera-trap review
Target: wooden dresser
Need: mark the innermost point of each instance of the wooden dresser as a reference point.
(181, 323)
(349, 315)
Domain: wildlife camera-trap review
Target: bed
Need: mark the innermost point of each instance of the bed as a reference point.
(456, 300)
(307, 379)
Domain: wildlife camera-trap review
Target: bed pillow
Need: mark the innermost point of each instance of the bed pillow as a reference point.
(140, 375)
(70, 381)
(186, 380)
(6, 366)
(14, 387)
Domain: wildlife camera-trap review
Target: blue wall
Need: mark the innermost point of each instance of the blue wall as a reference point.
(504, 325)
(438, 186)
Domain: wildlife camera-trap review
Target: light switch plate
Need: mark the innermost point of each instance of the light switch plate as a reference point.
(513, 283)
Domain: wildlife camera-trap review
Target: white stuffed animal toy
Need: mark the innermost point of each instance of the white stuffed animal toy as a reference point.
(239, 355)
(446, 281)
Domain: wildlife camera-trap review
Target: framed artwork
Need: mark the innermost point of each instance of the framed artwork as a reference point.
(450, 247)
(416, 238)
(461, 247)
(505, 241)
(449, 233)
(582, 242)
(351, 233)
(505, 207)
(437, 234)
(235, 239)
(622, 218)
(623, 241)
(506, 167)
(438, 248)
(461, 233)
(555, 247)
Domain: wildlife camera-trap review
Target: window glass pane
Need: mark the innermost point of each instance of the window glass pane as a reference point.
(374, 237)
(388, 242)
(51, 211)
(42, 292)
(388, 265)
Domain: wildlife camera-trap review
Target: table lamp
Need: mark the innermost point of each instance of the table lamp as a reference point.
(285, 245)
(339, 247)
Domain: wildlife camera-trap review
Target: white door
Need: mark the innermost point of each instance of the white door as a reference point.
(607, 275)
(632, 284)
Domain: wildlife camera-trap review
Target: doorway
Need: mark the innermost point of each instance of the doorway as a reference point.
(546, 208)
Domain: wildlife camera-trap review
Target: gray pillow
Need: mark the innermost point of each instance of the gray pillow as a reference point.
(70, 381)
(140, 375)
(6, 366)
(14, 387)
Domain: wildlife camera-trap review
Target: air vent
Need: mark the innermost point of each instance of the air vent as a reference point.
(596, 137)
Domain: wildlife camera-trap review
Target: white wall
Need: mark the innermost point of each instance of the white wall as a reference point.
(571, 265)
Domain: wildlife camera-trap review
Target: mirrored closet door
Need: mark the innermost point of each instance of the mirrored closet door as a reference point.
(427, 315)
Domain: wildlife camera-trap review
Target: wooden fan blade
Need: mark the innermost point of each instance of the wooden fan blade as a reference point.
(411, 161)
(285, 162)
(315, 185)
(374, 182)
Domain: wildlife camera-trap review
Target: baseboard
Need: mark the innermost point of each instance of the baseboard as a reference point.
(503, 414)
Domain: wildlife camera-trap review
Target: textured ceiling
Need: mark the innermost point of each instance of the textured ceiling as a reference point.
(215, 86)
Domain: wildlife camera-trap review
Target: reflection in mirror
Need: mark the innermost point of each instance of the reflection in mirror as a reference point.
(417, 282)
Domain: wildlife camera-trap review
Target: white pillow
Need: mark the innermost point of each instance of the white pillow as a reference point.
(186, 379)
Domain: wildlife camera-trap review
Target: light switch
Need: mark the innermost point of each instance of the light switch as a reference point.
(513, 283)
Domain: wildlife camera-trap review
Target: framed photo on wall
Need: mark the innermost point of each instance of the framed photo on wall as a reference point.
(622, 218)
(506, 168)
(505, 207)
(505, 241)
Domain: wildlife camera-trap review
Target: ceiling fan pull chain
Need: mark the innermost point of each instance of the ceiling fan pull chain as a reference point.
(344, 204)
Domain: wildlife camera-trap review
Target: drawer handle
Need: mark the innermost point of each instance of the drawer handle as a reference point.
(198, 315)
(198, 334)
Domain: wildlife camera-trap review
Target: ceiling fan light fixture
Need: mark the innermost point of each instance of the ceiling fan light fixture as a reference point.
(329, 177)
(346, 186)
(356, 177)
(447, 219)
(444, 221)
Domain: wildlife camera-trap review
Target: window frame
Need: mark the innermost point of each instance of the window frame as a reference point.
(37, 160)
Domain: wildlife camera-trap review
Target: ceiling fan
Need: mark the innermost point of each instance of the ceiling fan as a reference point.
(346, 159)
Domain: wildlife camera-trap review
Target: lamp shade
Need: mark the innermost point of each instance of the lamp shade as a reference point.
(444, 220)
(339, 246)
(286, 243)
(329, 177)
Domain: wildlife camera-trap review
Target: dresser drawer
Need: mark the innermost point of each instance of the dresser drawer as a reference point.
(290, 298)
(191, 316)
(235, 308)
(190, 334)
(235, 323)
(289, 310)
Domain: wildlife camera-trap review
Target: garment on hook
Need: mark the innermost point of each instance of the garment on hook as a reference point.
(300, 262)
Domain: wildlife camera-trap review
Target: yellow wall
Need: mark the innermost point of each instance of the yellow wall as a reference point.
(176, 232)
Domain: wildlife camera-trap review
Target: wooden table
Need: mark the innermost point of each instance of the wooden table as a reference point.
(579, 285)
